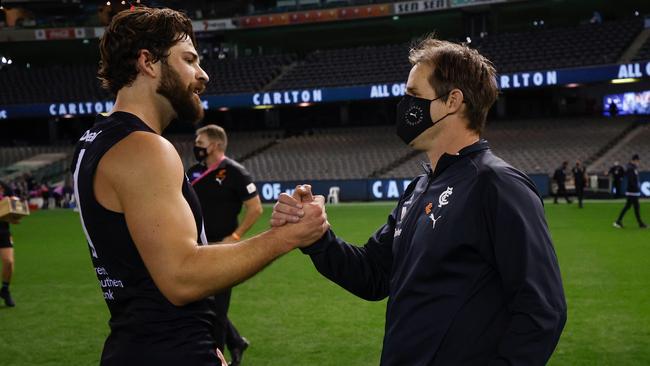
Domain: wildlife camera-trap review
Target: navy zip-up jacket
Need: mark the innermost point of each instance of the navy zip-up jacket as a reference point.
(468, 266)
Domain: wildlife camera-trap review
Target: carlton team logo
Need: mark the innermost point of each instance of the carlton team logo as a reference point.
(443, 200)
(413, 115)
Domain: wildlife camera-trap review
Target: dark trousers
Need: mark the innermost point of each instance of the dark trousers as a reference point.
(632, 201)
(561, 190)
(616, 188)
(580, 193)
(225, 333)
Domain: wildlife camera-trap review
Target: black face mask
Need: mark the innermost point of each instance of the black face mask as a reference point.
(200, 153)
(413, 117)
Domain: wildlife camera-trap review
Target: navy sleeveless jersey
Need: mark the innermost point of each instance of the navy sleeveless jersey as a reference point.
(146, 329)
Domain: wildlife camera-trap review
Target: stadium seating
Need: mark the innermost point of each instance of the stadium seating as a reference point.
(246, 74)
(583, 45)
(343, 153)
(350, 66)
(539, 146)
(644, 53)
(638, 144)
(240, 144)
(54, 84)
(10, 155)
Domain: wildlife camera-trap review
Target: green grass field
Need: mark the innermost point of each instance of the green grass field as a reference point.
(293, 316)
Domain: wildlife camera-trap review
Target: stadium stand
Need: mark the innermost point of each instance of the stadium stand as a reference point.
(246, 74)
(241, 145)
(11, 155)
(343, 153)
(534, 146)
(644, 52)
(583, 45)
(349, 66)
(539, 146)
(50, 85)
(637, 143)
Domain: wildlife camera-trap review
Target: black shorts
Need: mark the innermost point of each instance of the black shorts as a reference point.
(5, 240)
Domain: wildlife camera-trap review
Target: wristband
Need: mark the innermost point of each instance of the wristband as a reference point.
(236, 236)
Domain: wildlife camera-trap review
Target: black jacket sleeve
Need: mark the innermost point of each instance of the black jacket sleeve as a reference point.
(363, 271)
(529, 270)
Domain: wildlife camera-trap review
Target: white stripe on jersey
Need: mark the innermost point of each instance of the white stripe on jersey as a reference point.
(76, 196)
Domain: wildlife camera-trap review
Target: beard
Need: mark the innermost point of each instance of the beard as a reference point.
(185, 102)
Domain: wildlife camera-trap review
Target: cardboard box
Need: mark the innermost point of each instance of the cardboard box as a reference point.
(13, 209)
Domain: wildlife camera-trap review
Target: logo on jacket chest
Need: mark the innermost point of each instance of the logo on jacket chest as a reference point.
(221, 176)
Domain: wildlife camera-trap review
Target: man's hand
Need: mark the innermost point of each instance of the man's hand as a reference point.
(309, 228)
(289, 209)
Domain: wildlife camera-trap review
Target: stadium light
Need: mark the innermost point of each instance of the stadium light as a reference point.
(572, 85)
(9, 62)
(468, 40)
(123, 2)
(304, 104)
(224, 109)
(4, 60)
(108, 3)
(395, 17)
(263, 107)
(624, 81)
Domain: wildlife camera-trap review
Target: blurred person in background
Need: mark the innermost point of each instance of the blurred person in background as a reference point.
(6, 251)
(223, 187)
(580, 181)
(616, 173)
(560, 180)
(632, 194)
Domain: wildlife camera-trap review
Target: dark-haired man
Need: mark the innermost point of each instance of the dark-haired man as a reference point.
(141, 217)
(632, 194)
(465, 258)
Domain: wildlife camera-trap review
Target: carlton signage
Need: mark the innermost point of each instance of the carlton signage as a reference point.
(288, 97)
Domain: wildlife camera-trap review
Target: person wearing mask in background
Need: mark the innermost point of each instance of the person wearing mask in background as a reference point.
(223, 187)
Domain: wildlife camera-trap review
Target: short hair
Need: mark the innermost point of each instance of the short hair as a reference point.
(156, 30)
(456, 66)
(214, 133)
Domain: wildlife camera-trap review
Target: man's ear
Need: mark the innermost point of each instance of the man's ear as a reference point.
(145, 63)
(455, 100)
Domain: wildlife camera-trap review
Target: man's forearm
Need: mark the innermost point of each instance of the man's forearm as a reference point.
(212, 268)
(250, 218)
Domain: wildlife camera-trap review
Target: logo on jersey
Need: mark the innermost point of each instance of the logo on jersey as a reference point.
(431, 215)
(221, 176)
(89, 136)
(443, 200)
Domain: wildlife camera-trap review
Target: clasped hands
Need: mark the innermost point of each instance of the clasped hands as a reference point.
(302, 215)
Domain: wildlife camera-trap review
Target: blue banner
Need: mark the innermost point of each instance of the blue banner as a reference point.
(519, 80)
(364, 189)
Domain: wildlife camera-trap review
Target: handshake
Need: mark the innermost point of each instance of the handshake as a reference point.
(300, 218)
